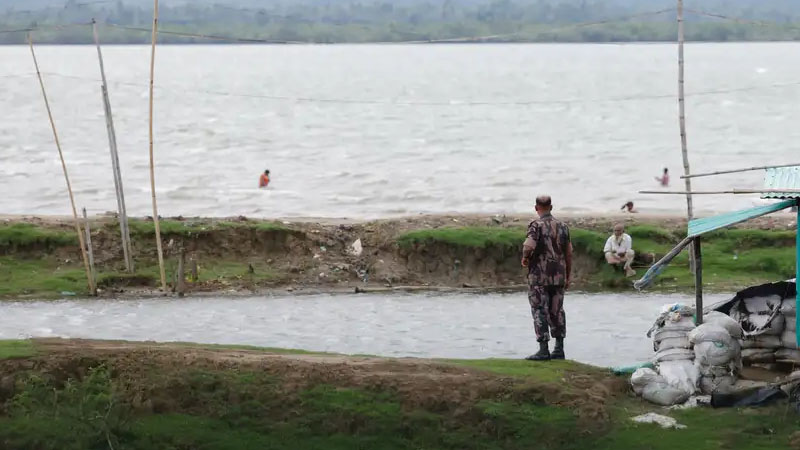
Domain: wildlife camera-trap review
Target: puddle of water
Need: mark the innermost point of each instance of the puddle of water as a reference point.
(602, 329)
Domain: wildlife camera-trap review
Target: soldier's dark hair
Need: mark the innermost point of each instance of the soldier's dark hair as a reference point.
(544, 201)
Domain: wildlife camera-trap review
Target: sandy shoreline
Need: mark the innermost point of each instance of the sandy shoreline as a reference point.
(591, 221)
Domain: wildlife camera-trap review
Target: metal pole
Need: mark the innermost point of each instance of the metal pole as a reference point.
(89, 250)
(735, 191)
(748, 169)
(64, 169)
(152, 163)
(797, 276)
(112, 143)
(698, 280)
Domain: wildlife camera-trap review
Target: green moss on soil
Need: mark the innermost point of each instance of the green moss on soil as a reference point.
(16, 349)
(465, 237)
(47, 277)
(141, 401)
(30, 264)
(190, 228)
(23, 236)
(732, 259)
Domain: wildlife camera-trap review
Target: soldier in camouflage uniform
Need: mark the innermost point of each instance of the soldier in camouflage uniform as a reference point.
(547, 253)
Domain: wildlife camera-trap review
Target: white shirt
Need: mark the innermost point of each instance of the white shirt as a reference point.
(618, 245)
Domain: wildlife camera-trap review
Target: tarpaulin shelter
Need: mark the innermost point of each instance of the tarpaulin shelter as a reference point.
(780, 183)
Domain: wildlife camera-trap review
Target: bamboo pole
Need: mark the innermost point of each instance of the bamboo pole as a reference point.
(115, 166)
(152, 164)
(64, 169)
(682, 112)
(748, 169)
(682, 126)
(734, 191)
(656, 268)
(89, 249)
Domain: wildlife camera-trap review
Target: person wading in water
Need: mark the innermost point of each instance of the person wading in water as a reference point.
(547, 253)
(263, 180)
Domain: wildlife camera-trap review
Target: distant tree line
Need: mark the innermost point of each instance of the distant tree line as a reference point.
(333, 21)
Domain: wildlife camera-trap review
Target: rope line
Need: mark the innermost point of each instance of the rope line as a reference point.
(741, 20)
(452, 103)
(45, 27)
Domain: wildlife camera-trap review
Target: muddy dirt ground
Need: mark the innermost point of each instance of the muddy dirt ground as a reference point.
(419, 382)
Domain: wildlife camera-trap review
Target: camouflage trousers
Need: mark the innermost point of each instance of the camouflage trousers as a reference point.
(547, 307)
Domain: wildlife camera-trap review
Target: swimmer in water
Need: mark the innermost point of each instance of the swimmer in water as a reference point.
(664, 179)
(628, 207)
(263, 180)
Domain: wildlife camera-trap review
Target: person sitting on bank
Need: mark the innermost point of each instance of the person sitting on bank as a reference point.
(263, 180)
(619, 249)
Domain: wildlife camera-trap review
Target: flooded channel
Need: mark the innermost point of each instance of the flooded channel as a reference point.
(602, 329)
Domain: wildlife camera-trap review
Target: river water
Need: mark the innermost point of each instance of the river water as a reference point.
(375, 130)
(603, 329)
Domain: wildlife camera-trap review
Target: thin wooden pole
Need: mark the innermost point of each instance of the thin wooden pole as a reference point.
(64, 169)
(698, 280)
(682, 125)
(733, 191)
(748, 169)
(115, 166)
(682, 113)
(88, 230)
(193, 270)
(152, 164)
(181, 282)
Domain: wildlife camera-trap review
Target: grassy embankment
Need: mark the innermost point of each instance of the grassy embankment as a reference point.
(145, 400)
(43, 261)
(29, 265)
(732, 258)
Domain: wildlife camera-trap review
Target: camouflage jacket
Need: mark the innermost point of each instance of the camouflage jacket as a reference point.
(546, 249)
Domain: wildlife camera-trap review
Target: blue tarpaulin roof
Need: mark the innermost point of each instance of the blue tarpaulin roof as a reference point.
(782, 178)
(707, 224)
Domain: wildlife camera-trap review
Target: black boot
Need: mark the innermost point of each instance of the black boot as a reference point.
(558, 350)
(542, 355)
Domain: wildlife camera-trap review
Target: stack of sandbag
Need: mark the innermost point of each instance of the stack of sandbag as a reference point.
(655, 388)
(677, 376)
(789, 349)
(717, 353)
(763, 325)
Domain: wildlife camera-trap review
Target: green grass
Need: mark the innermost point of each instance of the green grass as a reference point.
(277, 351)
(554, 371)
(732, 259)
(707, 429)
(588, 242)
(24, 235)
(236, 270)
(48, 278)
(44, 277)
(227, 407)
(191, 228)
(16, 349)
(465, 237)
